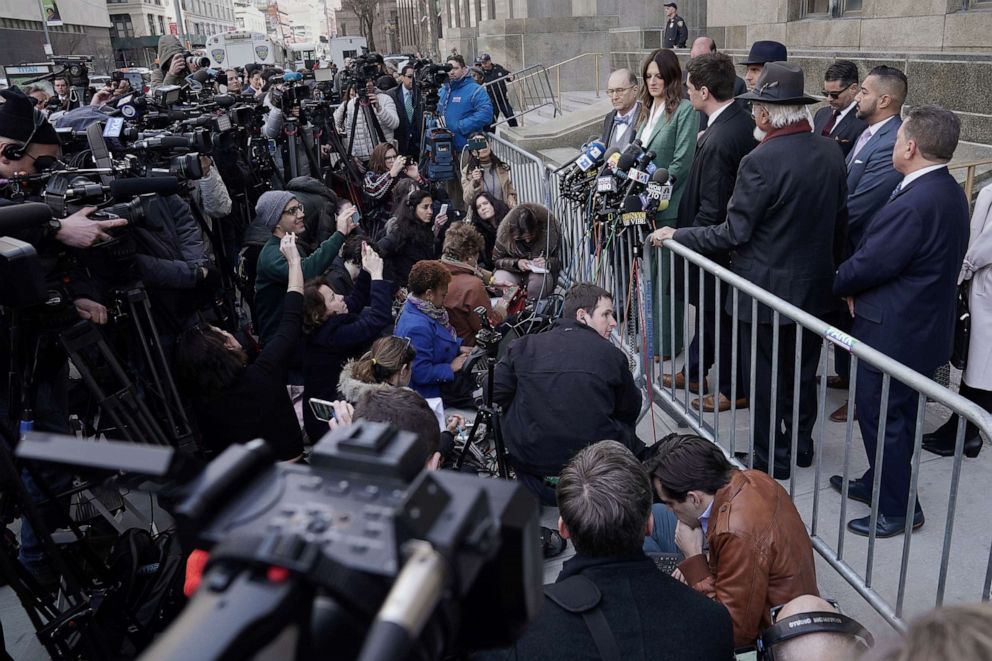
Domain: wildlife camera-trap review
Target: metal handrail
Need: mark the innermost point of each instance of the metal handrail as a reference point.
(557, 70)
(970, 175)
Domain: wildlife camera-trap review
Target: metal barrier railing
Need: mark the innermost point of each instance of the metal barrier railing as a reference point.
(528, 172)
(615, 264)
(529, 90)
(740, 292)
(971, 174)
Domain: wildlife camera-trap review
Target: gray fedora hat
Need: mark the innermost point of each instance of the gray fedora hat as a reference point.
(780, 83)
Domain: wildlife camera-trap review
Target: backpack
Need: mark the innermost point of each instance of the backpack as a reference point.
(144, 590)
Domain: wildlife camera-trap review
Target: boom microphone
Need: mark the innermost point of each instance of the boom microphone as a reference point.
(123, 189)
(224, 100)
(24, 216)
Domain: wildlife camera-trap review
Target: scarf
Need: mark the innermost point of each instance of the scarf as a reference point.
(440, 315)
(791, 129)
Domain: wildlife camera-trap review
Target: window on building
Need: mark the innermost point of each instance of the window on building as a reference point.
(344, 30)
(814, 7)
(161, 24)
(121, 26)
(852, 6)
(151, 25)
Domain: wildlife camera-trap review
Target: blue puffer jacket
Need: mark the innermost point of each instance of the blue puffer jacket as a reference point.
(466, 108)
(436, 348)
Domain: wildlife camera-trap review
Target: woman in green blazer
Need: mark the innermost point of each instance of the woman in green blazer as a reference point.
(667, 125)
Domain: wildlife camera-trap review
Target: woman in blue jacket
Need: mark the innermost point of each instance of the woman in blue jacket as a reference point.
(667, 125)
(425, 321)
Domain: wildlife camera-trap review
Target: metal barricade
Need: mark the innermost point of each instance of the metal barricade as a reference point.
(526, 91)
(527, 171)
(886, 591)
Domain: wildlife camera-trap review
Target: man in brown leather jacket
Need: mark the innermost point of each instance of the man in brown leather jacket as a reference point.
(759, 553)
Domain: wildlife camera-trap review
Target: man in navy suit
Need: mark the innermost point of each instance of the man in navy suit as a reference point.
(900, 286)
(404, 95)
(871, 178)
(839, 118)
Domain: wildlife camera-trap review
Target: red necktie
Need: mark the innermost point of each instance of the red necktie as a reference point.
(830, 125)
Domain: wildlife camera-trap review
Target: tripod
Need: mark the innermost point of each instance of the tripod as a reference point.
(297, 135)
(490, 412)
(372, 125)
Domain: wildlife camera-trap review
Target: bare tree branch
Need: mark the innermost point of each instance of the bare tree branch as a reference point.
(366, 11)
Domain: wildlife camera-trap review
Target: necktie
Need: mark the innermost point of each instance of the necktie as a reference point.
(408, 102)
(622, 121)
(897, 190)
(829, 126)
(865, 137)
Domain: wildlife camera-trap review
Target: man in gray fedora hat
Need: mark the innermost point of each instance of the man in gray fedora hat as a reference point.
(784, 230)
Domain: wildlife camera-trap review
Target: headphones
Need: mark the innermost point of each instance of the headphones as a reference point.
(808, 623)
(13, 152)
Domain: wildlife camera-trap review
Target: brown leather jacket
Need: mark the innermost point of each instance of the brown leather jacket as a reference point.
(760, 554)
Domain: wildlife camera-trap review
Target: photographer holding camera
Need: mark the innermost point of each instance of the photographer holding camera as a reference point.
(174, 63)
(359, 130)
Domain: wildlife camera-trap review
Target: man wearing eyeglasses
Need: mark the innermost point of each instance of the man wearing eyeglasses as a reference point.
(839, 118)
(281, 213)
(622, 90)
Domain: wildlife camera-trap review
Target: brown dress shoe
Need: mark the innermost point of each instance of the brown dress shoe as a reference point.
(742, 403)
(666, 382)
(840, 415)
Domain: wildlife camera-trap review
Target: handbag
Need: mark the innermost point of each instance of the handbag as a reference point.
(962, 328)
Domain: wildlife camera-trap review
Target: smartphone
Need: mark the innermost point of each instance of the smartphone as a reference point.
(356, 217)
(322, 409)
(444, 209)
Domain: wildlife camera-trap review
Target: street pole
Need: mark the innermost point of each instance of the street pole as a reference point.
(180, 24)
(44, 23)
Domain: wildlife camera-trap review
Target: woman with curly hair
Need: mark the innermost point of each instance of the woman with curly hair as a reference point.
(425, 321)
(411, 236)
(484, 172)
(467, 291)
(234, 399)
(339, 327)
(486, 212)
(528, 250)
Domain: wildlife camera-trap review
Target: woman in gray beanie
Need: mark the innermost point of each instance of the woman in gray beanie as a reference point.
(281, 213)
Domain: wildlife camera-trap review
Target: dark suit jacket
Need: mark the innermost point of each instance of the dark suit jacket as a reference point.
(607, 131)
(785, 222)
(407, 135)
(711, 183)
(870, 180)
(904, 274)
(844, 134)
(651, 616)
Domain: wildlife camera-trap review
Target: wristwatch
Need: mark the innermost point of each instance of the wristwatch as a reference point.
(53, 227)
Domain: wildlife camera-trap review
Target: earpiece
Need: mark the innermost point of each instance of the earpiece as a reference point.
(15, 152)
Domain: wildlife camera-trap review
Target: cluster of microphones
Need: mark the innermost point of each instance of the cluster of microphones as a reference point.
(624, 188)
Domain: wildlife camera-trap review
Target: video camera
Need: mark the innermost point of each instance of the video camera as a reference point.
(365, 67)
(362, 551)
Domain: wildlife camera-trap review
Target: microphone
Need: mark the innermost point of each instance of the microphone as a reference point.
(165, 141)
(224, 100)
(640, 173)
(632, 212)
(659, 190)
(24, 216)
(122, 189)
(627, 159)
(605, 181)
(590, 144)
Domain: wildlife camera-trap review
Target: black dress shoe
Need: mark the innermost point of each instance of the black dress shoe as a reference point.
(804, 459)
(886, 526)
(856, 489)
(945, 448)
(781, 473)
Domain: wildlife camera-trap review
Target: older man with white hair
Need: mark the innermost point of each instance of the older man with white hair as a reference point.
(785, 225)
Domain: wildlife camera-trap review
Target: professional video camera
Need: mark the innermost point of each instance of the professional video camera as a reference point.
(430, 77)
(362, 551)
(365, 67)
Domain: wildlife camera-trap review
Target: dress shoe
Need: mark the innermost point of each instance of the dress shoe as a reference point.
(781, 472)
(666, 381)
(840, 415)
(945, 448)
(708, 403)
(835, 382)
(804, 459)
(886, 526)
(856, 489)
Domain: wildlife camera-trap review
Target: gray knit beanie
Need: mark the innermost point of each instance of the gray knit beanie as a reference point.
(270, 206)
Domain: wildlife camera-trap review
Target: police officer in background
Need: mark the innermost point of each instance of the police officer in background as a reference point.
(676, 33)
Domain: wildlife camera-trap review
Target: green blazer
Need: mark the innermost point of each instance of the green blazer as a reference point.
(674, 144)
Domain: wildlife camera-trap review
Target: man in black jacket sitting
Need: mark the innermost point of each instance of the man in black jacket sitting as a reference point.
(610, 601)
(565, 389)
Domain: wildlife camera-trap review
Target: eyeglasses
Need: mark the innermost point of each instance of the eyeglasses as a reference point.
(833, 95)
(619, 90)
(298, 209)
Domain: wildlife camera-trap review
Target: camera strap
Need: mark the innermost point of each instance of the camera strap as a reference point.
(578, 594)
